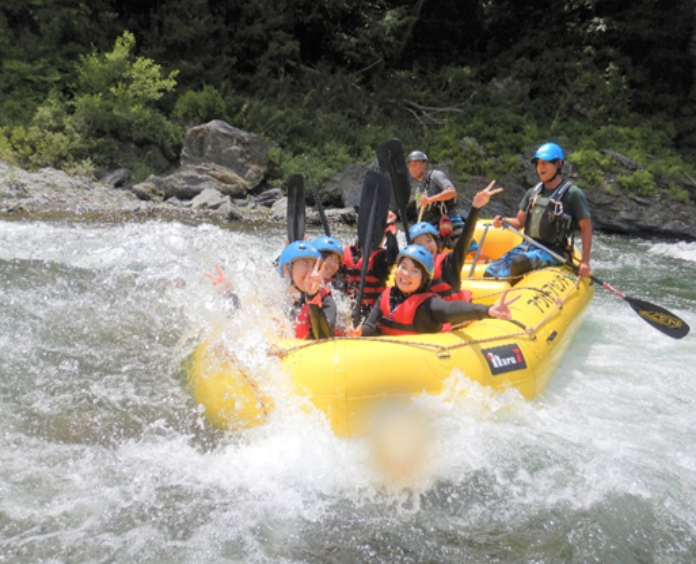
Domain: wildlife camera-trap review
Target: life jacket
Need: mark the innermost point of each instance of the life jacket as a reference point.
(303, 322)
(442, 288)
(401, 320)
(546, 221)
(373, 285)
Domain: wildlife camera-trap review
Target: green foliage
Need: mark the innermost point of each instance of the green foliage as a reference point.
(194, 107)
(640, 182)
(322, 163)
(592, 165)
(110, 115)
(678, 193)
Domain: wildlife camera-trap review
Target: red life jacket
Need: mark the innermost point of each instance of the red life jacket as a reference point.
(400, 321)
(373, 285)
(303, 322)
(442, 288)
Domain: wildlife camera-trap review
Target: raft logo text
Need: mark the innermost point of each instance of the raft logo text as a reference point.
(504, 359)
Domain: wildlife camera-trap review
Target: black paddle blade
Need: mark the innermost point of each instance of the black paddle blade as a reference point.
(296, 208)
(319, 205)
(379, 183)
(660, 318)
(390, 156)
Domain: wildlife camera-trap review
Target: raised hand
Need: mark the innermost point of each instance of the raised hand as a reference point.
(315, 278)
(484, 196)
(501, 309)
(220, 280)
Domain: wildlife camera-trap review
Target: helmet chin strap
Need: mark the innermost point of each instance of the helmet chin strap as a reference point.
(558, 170)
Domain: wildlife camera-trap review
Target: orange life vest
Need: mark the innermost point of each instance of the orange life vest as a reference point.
(373, 285)
(303, 322)
(442, 288)
(400, 321)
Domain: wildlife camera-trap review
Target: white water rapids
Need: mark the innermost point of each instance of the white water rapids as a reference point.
(104, 456)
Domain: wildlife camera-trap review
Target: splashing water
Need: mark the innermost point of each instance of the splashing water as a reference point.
(104, 456)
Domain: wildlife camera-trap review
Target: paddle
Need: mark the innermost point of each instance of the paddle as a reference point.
(390, 157)
(320, 206)
(296, 208)
(654, 315)
(372, 221)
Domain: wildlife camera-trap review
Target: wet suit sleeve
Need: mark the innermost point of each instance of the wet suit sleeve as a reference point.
(385, 260)
(454, 261)
(431, 315)
(370, 324)
(323, 318)
(231, 302)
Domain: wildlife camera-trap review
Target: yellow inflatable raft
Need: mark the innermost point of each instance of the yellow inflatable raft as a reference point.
(345, 378)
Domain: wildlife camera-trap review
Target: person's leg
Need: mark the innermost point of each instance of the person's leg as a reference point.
(500, 268)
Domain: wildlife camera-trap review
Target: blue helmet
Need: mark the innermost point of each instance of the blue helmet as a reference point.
(548, 152)
(421, 229)
(421, 256)
(297, 250)
(417, 156)
(326, 243)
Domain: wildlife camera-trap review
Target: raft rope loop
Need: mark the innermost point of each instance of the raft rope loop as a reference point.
(444, 351)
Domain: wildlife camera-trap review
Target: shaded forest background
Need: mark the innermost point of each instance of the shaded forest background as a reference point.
(91, 86)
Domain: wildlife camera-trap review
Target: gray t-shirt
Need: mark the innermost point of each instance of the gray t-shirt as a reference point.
(435, 182)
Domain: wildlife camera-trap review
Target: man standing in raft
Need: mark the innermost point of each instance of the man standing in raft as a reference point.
(435, 196)
(550, 213)
(409, 307)
(447, 276)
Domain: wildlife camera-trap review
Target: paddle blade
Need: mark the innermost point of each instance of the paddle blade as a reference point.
(659, 318)
(296, 208)
(390, 156)
(379, 183)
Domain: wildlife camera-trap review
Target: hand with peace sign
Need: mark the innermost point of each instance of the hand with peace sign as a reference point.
(500, 309)
(484, 196)
(315, 278)
(224, 285)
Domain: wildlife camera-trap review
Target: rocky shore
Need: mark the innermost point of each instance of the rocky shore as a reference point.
(222, 177)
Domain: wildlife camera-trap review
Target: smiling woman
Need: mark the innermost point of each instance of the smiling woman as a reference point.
(410, 307)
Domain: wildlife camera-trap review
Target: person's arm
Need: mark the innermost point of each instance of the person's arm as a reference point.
(586, 238)
(368, 327)
(435, 312)
(517, 222)
(322, 315)
(447, 194)
(454, 261)
(439, 312)
(386, 258)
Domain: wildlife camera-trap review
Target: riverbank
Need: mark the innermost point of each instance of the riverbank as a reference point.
(223, 177)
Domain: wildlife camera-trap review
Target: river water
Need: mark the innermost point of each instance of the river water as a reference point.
(104, 457)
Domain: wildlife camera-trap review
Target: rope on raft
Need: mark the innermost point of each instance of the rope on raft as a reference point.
(443, 351)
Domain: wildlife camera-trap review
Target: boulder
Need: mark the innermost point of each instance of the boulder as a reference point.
(187, 184)
(343, 188)
(217, 142)
(269, 197)
(209, 199)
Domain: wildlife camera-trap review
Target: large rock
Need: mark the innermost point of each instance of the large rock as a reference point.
(217, 142)
(343, 188)
(187, 184)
